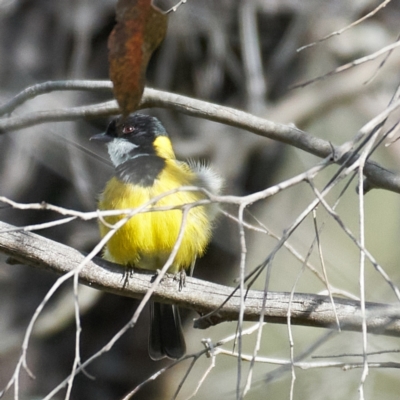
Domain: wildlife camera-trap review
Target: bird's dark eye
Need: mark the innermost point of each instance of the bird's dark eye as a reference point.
(127, 129)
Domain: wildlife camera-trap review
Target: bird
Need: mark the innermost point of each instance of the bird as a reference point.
(145, 165)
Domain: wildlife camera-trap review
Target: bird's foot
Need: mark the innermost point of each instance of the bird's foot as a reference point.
(128, 273)
(181, 277)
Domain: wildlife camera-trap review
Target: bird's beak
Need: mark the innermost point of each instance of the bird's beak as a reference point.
(102, 137)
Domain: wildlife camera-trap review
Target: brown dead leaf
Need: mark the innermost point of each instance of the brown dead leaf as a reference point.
(139, 30)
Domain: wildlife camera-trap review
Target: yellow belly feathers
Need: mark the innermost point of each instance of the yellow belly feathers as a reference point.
(147, 239)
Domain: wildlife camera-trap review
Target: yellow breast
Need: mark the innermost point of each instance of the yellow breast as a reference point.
(147, 239)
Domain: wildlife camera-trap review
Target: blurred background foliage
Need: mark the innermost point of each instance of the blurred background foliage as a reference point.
(236, 53)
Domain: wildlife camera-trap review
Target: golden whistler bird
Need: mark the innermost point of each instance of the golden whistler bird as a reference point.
(146, 167)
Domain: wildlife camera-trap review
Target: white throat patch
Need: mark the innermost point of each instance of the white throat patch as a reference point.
(119, 151)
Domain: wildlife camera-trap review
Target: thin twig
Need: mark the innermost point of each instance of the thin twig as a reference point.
(365, 154)
(353, 24)
(310, 365)
(321, 258)
(349, 65)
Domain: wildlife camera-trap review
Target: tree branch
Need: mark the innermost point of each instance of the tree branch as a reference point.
(377, 176)
(201, 296)
(51, 86)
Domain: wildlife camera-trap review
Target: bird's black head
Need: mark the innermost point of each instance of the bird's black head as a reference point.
(137, 134)
(136, 128)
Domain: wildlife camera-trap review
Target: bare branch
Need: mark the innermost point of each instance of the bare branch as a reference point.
(340, 31)
(378, 176)
(309, 365)
(175, 7)
(351, 64)
(107, 108)
(51, 86)
(306, 309)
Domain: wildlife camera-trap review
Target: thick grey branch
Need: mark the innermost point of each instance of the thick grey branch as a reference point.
(203, 297)
(377, 176)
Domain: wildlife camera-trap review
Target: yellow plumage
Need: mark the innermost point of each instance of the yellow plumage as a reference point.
(145, 168)
(147, 239)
